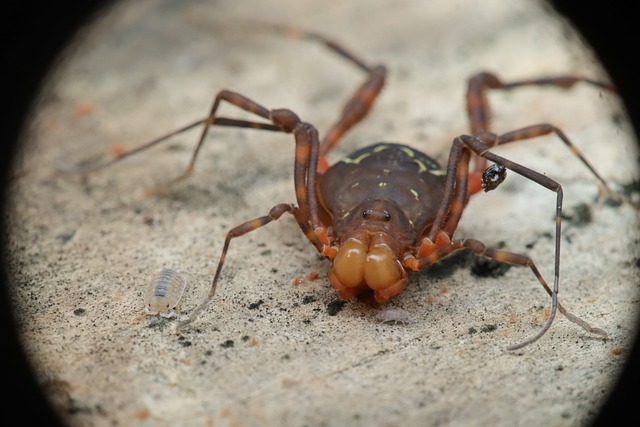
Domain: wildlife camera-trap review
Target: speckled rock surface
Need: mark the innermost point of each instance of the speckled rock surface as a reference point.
(276, 348)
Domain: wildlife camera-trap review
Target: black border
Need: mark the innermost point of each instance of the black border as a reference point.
(34, 33)
(611, 28)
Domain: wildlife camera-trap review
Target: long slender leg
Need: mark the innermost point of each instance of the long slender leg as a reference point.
(533, 131)
(451, 207)
(239, 101)
(478, 109)
(274, 214)
(361, 101)
(479, 112)
(454, 200)
(306, 151)
(355, 109)
(455, 194)
(515, 259)
(461, 195)
(94, 164)
(282, 120)
(306, 159)
(480, 148)
(305, 166)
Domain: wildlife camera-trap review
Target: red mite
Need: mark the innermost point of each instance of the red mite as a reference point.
(388, 209)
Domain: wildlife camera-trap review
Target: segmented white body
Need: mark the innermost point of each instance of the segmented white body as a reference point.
(395, 315)
(164, 292)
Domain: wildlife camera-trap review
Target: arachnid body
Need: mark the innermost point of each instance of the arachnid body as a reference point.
(388, 209)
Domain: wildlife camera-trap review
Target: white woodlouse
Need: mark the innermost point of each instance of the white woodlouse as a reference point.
(164, 292)
(395, 315)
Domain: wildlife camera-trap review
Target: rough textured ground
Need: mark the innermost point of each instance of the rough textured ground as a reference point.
(268, 352)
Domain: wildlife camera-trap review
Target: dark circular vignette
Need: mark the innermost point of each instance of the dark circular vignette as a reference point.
(611, 30)
(36, 33)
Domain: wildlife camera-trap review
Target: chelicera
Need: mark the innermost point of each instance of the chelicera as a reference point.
(388, 209)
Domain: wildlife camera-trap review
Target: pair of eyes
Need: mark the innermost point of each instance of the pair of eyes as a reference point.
(372, 215)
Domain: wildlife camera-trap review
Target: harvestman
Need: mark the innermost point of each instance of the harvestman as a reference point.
(388, 209)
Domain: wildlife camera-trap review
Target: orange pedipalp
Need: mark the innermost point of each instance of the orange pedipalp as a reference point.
(475, 183)
(427, 247)
(323, 165)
